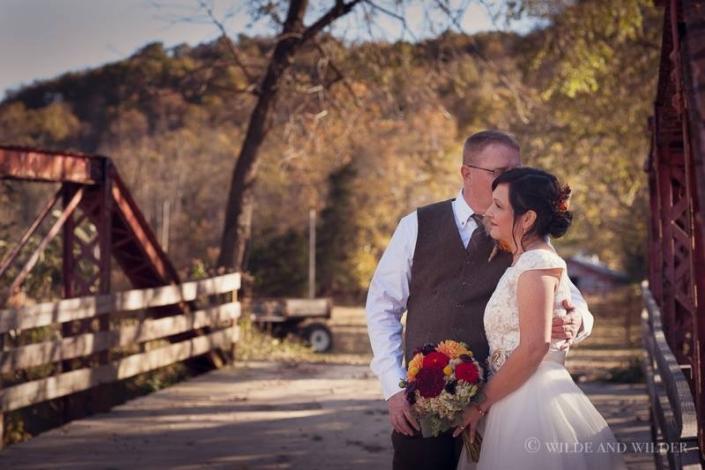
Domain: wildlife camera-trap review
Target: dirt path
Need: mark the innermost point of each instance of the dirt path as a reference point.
(273, 415)
(258, 415)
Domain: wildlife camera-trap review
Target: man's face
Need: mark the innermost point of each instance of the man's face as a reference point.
(481, 171)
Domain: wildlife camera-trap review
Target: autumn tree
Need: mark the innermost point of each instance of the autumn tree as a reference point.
(393, 113)
(292, 37)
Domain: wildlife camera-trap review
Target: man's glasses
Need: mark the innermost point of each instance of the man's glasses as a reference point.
(495, 172)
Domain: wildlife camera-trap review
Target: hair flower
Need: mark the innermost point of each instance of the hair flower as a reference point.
(563, 201)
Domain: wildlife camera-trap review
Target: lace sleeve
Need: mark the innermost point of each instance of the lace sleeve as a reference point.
(539, 259)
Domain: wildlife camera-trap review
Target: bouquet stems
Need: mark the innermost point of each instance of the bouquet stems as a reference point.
(472, 448)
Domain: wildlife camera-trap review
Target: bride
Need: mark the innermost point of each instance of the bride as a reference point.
(536, 417)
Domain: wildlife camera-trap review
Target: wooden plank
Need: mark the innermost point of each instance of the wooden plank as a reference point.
(675, 385)
(235, 329)
(150, 329)
(661, 409)
(85, 307)
(295, 307)
(262, 308)
(81, 345)
(60, 385)
(665, 422)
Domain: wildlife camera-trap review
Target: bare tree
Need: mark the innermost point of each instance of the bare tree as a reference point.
(293, 36)
(238, 212)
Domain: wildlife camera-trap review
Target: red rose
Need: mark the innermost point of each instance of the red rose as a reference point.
(435, 360)
(468, 372)
(430, 382)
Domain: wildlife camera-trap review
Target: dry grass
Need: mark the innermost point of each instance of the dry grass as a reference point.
(613, 350)
(350, 342)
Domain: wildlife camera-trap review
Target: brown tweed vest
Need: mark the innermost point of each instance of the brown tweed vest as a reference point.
(450, 286)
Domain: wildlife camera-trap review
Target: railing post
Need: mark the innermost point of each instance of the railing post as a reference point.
(234, 335)
(101, 394)
(91, 379)
(2, 414)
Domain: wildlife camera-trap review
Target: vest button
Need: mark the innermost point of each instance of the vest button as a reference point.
(458, 305)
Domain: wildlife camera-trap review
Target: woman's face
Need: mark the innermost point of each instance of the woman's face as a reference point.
(501, 217)
(501, 222)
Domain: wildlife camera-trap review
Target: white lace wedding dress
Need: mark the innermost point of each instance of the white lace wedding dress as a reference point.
(548, 422)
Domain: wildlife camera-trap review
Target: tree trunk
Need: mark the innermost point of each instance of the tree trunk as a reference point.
(238, 214)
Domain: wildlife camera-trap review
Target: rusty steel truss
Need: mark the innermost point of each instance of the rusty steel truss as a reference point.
(676, 174)
(91, 194)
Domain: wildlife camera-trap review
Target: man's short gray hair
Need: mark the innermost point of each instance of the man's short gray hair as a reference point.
(477, 142)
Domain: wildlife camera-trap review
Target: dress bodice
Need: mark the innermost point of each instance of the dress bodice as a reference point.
(501, 319)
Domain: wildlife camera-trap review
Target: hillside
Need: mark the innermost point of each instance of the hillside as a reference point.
(364, 135)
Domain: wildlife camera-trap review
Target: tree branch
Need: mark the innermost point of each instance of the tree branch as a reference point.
(340, 77)
(396, 16)
(229, 43)
(513, 88)
(340, 9)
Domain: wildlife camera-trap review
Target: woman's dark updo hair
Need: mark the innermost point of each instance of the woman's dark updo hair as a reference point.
(541, 192)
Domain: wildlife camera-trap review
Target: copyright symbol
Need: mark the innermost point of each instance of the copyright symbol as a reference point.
(532, 445)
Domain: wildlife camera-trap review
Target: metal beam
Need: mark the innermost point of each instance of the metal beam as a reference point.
(40, 165)
(10, 257)
(45, 241)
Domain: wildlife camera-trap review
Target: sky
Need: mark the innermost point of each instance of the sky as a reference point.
(40, 39)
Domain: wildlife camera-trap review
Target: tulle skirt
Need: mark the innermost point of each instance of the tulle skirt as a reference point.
(548, 423)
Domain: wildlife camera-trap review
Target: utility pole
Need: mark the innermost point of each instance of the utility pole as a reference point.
(312, 253)
(166, 216)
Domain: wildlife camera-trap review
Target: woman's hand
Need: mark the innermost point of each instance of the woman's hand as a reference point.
(471, 417)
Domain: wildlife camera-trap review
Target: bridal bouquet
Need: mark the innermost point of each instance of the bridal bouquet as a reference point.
(441, 382)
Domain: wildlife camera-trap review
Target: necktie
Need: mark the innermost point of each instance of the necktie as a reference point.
(478, 219)
(477, 234)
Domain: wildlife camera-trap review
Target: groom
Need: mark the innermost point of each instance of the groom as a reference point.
(437, 267)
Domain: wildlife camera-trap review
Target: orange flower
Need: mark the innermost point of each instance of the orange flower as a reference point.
(416, 361)
(452, 349)
(414, 365)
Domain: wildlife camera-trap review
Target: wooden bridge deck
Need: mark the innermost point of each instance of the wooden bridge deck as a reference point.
(268, 416)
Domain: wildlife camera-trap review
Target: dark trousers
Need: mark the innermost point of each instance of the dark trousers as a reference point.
(431, 453)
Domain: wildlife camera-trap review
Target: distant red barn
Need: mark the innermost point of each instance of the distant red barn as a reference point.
(592, 276)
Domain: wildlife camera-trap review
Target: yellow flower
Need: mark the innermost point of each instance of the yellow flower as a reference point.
(411, 374)
(447, 370)
(452, 349)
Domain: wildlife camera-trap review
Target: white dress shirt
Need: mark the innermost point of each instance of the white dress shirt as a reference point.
(389, 291)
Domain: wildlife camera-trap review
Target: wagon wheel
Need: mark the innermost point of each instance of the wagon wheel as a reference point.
(319, 337)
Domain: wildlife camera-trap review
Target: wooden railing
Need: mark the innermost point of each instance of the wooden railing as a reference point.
(135, 342)
(674, 422)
